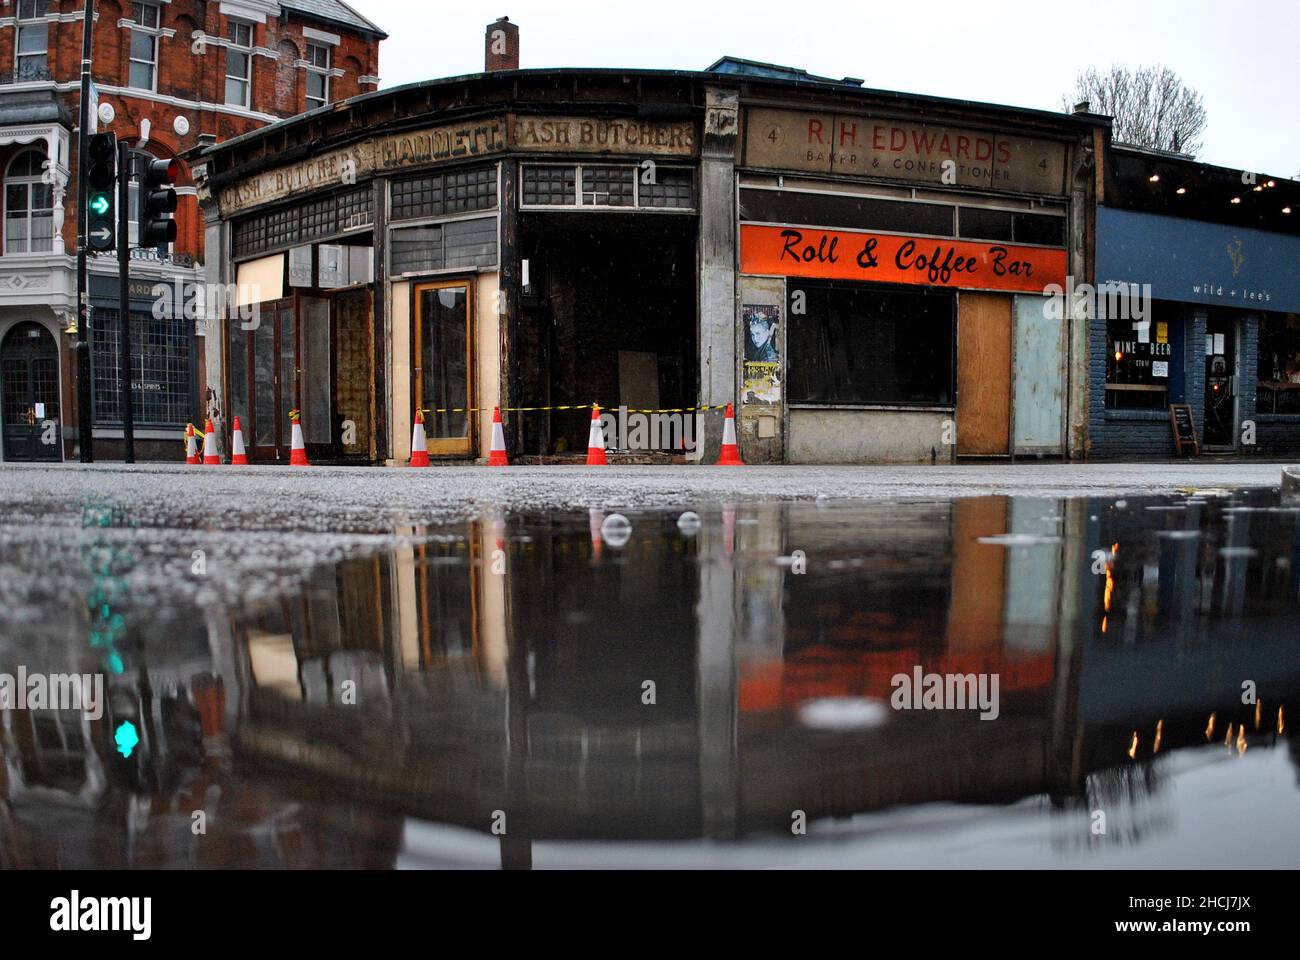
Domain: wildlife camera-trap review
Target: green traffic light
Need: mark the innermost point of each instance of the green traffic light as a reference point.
(100, 204)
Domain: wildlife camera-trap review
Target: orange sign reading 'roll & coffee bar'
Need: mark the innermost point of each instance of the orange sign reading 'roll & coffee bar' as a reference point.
(891, 258)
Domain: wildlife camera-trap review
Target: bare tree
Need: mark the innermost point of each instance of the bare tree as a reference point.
(1152, 107)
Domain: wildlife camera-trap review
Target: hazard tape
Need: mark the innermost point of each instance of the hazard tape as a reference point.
(571, 406)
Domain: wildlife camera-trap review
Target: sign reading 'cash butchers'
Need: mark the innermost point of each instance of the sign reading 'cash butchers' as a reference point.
(865, 146)
(351, 163)
(891, 258)
(592, 135)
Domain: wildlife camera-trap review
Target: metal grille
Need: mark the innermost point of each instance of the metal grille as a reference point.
(15, 395)
(549, 186)
(160, 368)
(674, 188)
(304, 222)
(435, 195)
(607, 186)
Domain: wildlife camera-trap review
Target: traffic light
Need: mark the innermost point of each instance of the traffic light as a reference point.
(157, 202)
(101, 191)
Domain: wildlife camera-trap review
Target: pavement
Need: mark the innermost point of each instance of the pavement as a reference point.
(180, 536)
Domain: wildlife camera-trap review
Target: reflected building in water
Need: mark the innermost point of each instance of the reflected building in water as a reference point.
(566, 678)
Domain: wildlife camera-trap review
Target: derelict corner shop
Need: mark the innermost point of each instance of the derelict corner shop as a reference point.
(658, 240)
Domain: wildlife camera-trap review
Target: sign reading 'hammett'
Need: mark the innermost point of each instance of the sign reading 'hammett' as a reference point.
(872, 147)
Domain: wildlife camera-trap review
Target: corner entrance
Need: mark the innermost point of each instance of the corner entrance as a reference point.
(29, 379)
(608, 316)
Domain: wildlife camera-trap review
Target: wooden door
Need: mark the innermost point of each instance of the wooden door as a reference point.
(444, 365)
(983, 374)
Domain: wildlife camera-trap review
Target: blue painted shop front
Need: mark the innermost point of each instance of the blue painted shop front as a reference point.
(1219, 329)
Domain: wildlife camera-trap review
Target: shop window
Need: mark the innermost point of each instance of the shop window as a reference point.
(160, 368)
(461, 243)
(859, 345)
(1279, 364)
(608, 185)
(144, 46)
(294, 225)
(844, 211)
(33, 60)
(672, 188)
(436, 195)
(239, 63)
(318, 78)
(29, 205)
(1008, 226)
(1138, 360)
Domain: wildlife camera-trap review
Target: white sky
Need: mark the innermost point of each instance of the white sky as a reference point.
(1242, 57)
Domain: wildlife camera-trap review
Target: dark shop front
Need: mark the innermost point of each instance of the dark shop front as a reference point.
(1195, 312)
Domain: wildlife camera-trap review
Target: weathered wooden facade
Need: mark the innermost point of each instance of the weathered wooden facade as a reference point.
(861, 273)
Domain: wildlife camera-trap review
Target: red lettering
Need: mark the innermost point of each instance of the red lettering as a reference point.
(815, 130)
(877, 138)
(963, 147)
(897, 139)
(1004, 152)
(848, 133)
(945, 147)
(923, 142)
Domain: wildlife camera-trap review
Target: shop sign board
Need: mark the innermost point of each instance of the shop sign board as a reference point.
(350, 164)
(896, 258)
(868, 146)
(632, 136)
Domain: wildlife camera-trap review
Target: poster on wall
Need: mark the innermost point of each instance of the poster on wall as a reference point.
(762, 379)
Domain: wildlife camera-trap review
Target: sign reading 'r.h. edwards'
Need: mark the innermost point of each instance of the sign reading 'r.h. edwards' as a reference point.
(895, 149)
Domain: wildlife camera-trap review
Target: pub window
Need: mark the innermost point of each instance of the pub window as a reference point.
(839, 210)
(1279, 364)
(160, 369)
(460, 243)
(33, 60)
(607, 185)
(239, 63)
(144, 47)
(859, 345)
(1138, 359)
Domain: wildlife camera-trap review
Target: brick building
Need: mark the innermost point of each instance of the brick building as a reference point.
(169, 75)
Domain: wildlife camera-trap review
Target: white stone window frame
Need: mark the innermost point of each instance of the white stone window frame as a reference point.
(20, 22)
(54, 140)
(159, 33)
(30, 213)
(232, 25)
(328, 42)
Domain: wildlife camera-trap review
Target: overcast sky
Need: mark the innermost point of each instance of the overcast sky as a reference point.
(1243, 57)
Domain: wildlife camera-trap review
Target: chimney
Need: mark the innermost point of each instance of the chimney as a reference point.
(1083, 106)
(502, 46)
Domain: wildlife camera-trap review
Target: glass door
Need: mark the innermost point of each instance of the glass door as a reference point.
(443, 373)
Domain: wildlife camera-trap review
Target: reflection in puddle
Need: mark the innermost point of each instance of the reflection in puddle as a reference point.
(561, 690)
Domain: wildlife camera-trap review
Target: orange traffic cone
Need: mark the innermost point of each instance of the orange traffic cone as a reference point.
(210, 458)
(497, 457)
(191, 445)
(730, 451)
(419, 442)
(596, 441)
(298, 455)
(238, 454)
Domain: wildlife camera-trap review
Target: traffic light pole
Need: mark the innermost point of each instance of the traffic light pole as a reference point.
(125, 158)
(85, 413)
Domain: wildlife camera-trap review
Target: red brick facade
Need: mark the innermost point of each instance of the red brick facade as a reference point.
(190, 81)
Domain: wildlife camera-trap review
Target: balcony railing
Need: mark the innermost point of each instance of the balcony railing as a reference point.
(28, 70)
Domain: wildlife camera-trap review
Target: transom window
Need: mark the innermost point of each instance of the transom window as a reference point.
(648, 186)
(319, 55)
(29, 205)
(239, 63)
(144, 47)
(33, 60)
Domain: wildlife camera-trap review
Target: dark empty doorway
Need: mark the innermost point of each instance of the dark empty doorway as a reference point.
(608, 316)
(29, 379)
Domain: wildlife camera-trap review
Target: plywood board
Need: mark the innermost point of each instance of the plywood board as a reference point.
(983, 374)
